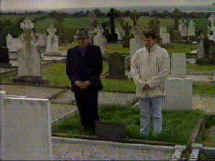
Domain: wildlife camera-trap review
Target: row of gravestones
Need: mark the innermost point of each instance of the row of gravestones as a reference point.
(50, 42)
(177, 86)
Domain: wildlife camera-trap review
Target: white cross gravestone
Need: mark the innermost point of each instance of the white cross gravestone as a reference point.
(25, 125)
(178, 94)
(100, 40)
(29, 57)
(178, 64)
(52, 45)
(29, 67)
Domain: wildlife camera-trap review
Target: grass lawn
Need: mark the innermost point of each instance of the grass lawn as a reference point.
(56, 76)
(181, 48)
(200, 68)
(204, 89)
(177, 126)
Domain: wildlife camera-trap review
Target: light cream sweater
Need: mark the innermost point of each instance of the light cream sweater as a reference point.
(150, 68)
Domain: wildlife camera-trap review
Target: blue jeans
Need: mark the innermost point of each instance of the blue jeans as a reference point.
(151, 107)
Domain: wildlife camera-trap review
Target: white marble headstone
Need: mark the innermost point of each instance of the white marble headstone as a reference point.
(178, 64)
(100, 41)
(25, 129)
(178, 94)
(52, 44)
(165, 38)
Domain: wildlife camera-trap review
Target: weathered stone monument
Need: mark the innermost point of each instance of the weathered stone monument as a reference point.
(25, 125)
(178, 64)
(29, 67)
(52, 44)
(178, 94)
(178, 87)
(100, 40)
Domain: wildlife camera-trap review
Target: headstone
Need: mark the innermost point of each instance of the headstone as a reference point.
(135, 43)
(178, 64)
(165, 37)
(178, 94)
(100, 41)
(52, 46)
(191, 29)
(41, 41)
(119, 36)
(116, 66)
(25, 125)
(163, 29)
(29, 57)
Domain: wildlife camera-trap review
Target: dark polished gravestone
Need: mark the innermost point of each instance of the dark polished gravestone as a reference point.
(4, 57)
(116, 64)
(110, 131)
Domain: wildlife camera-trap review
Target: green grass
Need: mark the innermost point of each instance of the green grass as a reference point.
(177, 126)
(200, 68)
(181, 48)
(204, 89)
(56, 75)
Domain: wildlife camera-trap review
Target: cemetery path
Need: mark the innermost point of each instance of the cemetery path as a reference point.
(62, 104)
(105, 151)
(206, 104)
(201, 78)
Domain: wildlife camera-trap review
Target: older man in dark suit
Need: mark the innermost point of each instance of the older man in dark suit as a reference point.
(83, 67)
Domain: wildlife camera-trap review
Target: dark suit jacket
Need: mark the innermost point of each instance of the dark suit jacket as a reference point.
(87, 67)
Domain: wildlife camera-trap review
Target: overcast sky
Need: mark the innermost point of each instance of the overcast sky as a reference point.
(57, 4)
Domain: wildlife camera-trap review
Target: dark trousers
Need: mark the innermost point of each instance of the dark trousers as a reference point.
(87, 102)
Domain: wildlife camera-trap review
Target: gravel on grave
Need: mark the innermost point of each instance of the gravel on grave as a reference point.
(30, 91)
(104, 98)
(67, 151)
